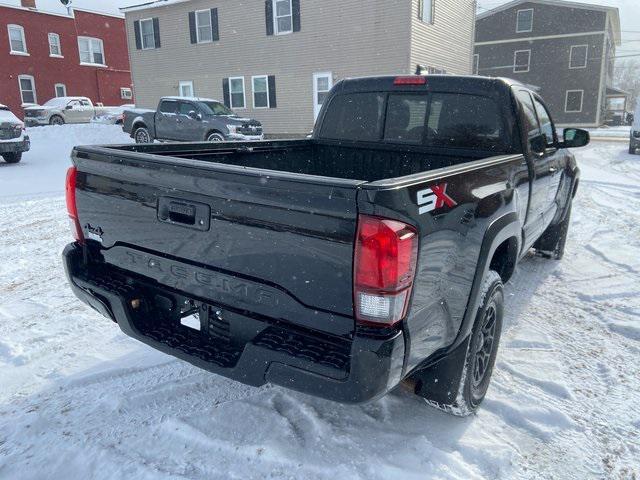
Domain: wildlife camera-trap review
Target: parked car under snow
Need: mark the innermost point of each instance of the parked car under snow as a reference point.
(13, 140)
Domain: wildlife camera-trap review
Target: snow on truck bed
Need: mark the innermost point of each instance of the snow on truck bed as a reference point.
(78, 399)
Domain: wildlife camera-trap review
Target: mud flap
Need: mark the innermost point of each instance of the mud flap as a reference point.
(440, 382)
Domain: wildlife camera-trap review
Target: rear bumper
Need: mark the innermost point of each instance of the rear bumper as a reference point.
(16, 147)
(253, 351)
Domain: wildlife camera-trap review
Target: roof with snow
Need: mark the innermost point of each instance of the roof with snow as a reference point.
(151, 4)
(614, 11)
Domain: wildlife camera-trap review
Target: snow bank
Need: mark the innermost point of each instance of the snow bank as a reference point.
(43, 169)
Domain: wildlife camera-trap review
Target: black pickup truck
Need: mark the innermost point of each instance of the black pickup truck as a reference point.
(371, 254)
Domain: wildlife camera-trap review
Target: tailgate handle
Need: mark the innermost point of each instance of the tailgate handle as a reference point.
(182, 213)
(187, 214)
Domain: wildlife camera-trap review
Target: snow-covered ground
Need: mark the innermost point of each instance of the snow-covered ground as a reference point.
(78, 399)
(610, 132)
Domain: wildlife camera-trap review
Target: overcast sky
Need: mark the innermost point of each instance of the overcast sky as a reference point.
(629, 14)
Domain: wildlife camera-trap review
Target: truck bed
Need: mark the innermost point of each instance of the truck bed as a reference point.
(343, 160)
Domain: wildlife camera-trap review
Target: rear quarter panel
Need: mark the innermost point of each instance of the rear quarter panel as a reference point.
(451, 239)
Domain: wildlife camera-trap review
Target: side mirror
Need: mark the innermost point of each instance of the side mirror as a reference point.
(575, 138)
(194, 115)
(539, 144)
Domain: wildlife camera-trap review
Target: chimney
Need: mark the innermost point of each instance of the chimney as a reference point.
(28, 3)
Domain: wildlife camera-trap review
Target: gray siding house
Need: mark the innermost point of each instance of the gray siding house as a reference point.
(565, 50)
(275, 60)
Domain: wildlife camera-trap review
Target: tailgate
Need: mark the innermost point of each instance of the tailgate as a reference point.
(267, 243)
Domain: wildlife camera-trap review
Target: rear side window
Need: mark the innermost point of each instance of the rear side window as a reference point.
(465, 121)
(530, 119)
(168, 107)
(356, 117)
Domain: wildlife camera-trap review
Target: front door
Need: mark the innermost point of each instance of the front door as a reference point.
(189, 129)
(322, 84)
(73, 112)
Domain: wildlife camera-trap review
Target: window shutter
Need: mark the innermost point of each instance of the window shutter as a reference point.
(192, 27)
(225, 92)
(272, 91)
(420, 9)
(215, 31)
(295, 7)
(136, 29)
(268, 15)
(156, 31)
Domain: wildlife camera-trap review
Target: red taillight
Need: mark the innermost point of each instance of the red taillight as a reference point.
(412, 80)
(72, 208)
(385, 259)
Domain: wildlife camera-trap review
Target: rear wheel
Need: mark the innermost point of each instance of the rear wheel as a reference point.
(483, 348)
(215, 137)
(632, 150)
(142, 135)
(56, 120)
(459, 383)
(12, 157)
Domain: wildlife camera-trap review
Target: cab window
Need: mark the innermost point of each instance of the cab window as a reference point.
(546, 125)
(185, 108)
(167, 107)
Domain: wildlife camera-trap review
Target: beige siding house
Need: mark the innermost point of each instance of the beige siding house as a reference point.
(274, 60)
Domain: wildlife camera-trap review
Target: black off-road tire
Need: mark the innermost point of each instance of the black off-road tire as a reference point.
(12, 157)
(483, 347)
(632, 150)
(466, 373)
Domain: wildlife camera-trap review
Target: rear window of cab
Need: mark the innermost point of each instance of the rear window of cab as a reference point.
(446, 120)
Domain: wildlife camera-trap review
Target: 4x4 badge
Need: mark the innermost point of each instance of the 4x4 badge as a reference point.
(434, 198)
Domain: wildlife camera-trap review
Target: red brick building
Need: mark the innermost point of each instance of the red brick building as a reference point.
(44, 55)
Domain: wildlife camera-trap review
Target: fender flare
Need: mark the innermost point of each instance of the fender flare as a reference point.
(501, 229)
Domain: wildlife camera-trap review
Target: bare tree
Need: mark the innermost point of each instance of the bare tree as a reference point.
(627, 78)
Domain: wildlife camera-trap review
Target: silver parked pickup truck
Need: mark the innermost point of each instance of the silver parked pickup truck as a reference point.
(61, 110)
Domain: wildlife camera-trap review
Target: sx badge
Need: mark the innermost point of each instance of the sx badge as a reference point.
(434, 198)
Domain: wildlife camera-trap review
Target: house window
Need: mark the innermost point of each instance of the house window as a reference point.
(322, 83)
(524, 23)
(27, 89)
(573, 101)
(61, 90)
(186, 89)
(147, 34)
(17, 41)
(54, 45)
(476, 64)
(521, 61)
(236, 91)
(283, 18)
(204, 27)
(426, 10)
(578, 56)
(260, 85)
(91, 51)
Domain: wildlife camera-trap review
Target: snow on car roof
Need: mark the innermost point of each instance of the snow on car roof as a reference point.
(193, 99)
(3, 107)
